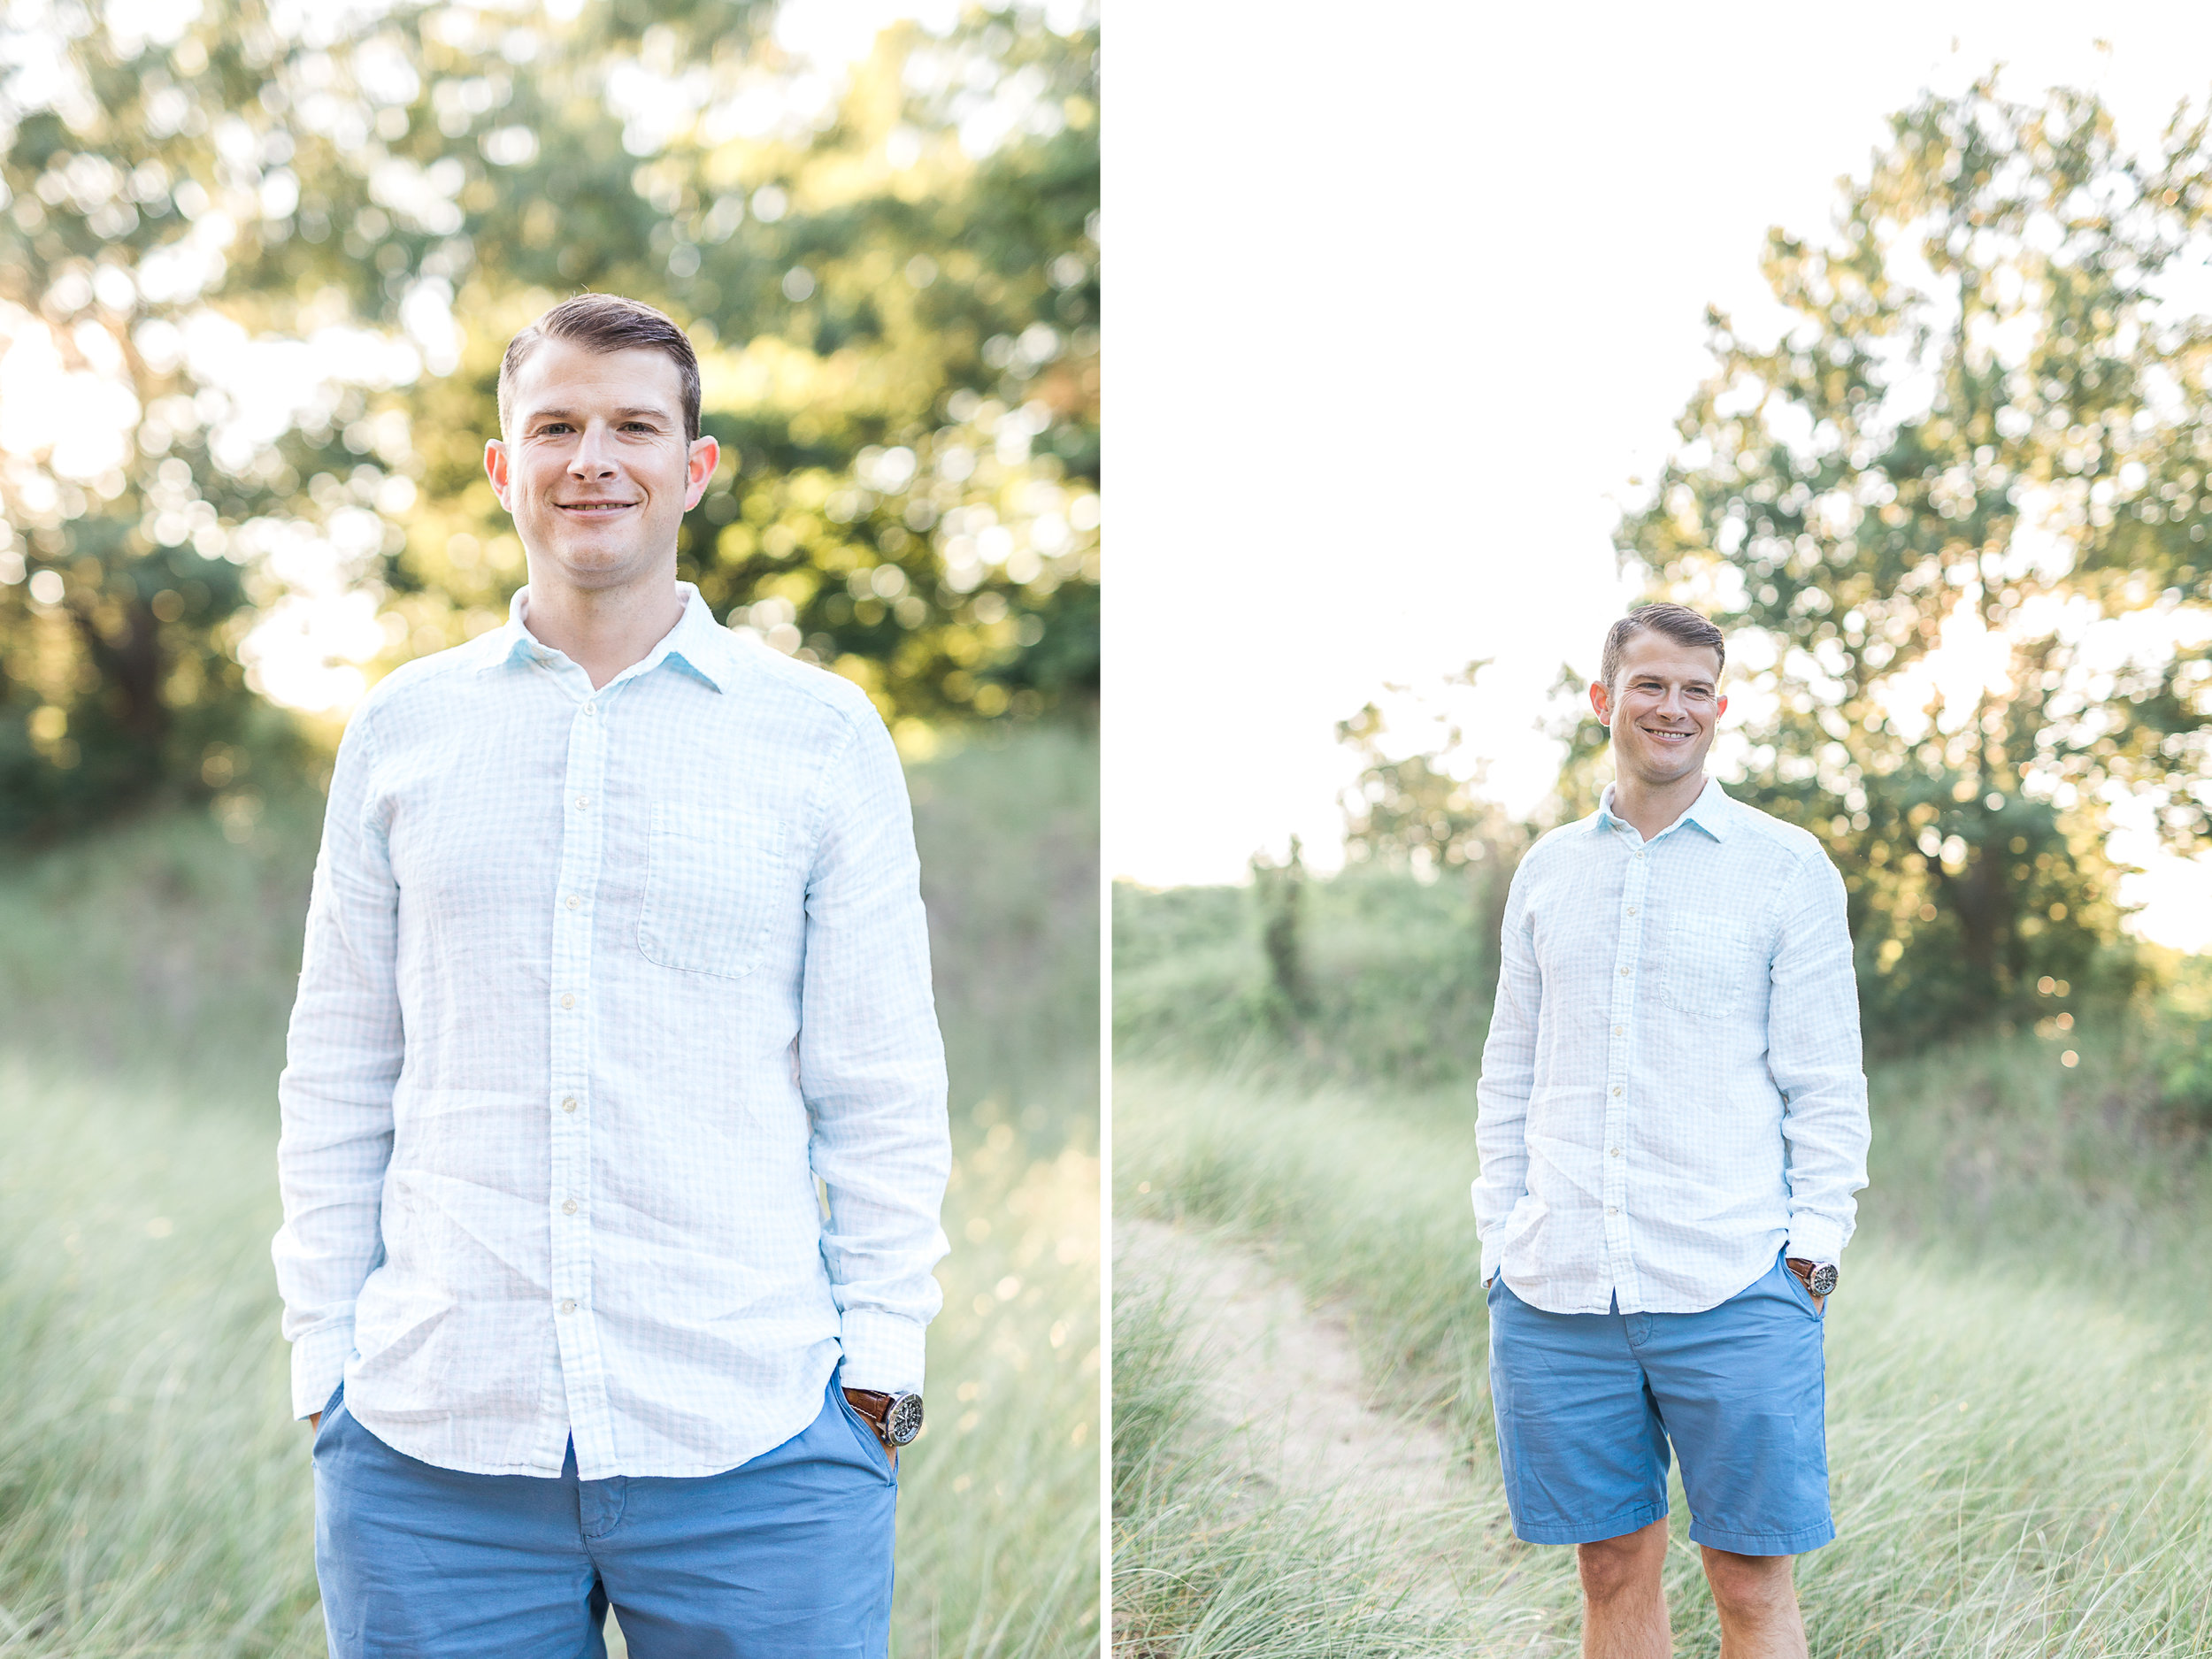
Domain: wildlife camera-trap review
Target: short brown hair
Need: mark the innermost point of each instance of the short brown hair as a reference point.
(607, 322)
(1678, 622)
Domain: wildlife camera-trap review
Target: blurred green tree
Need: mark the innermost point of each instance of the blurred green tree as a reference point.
(1987, 423)
(281, 253)
(1278, 893)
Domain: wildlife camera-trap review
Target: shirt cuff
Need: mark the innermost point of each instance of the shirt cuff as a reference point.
(1813, 1238)
(319, 1364)
(883, 1351)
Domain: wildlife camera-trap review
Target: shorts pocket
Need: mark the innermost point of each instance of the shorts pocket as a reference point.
(1796, 1287)
(328, 1423)
(713, 881)
(1711, 965)
(879, 1455)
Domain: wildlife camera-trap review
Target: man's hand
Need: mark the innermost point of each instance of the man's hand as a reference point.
(1820, 1303)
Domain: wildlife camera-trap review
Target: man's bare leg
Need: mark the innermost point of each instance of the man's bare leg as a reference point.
(1757, 1605)
(1624, 1603)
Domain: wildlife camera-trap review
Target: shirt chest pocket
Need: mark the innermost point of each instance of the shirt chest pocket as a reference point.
(1712, 967)
(714, 887)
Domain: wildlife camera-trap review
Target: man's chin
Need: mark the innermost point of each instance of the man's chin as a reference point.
(596, 566)
(1658, 771)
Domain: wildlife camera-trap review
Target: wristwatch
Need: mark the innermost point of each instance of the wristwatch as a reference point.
(896, 1417)
(1818, 1278)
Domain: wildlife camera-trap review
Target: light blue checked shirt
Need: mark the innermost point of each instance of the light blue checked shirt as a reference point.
(1672, 1086)
(597, 983)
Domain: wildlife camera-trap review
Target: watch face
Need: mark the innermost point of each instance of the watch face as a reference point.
(904, 1422)
(1823, 1280)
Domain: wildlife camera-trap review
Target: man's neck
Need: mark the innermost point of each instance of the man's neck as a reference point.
(604, 630)
(1652, 807)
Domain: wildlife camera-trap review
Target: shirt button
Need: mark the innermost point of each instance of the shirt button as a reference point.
(582, 801)
(1623, 973)
(1640, 852)
(1632, 909)
(1612, 1210)
(569, 1105)
(1616, 1152)
(568, 1001)
(1619, 1031)
(1617, 1091)
(569, 1208)
(568, 1307)
(574, 901)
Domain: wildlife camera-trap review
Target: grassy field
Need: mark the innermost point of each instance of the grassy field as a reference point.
(155, 1493)
(2020, 1374)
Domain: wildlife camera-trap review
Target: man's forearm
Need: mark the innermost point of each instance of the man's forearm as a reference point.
(331, 1163)
(1827, 1134)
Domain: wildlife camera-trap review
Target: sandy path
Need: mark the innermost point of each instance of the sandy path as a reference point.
(1284, 1376)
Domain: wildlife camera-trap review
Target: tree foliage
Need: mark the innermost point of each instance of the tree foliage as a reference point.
(894, 290)
(1987, 428)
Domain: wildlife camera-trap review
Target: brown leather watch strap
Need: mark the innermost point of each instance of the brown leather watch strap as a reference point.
(874, 1406)
(1804, 1270)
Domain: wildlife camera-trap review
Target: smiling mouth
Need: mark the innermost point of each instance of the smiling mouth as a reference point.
(596, 509)
(1669, 736)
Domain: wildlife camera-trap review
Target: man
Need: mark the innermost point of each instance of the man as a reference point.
(1673, 1121)
(615, 948)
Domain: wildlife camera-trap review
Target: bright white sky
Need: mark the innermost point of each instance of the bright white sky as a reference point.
(1401, 299)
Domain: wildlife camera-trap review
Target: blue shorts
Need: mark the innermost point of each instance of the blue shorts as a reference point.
(788, 1557)
(1586, 1403)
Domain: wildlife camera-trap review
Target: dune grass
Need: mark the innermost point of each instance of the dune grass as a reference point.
(155, 1493)
(1208, 1565)
(2020, 1378)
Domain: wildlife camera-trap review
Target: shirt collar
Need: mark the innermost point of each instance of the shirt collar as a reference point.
(1712, 812)
(695, 642)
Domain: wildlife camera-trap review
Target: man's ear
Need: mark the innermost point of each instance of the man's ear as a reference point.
(495, 468)
(1599, 702)
(706, 455)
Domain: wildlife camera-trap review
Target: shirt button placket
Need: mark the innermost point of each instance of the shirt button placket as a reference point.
(1614, 1181)
(569, 1177)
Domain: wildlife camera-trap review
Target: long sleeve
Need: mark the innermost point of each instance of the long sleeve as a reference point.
(343, 1060)
(1509, 1075)
(871, 1065)
(1813, 1053)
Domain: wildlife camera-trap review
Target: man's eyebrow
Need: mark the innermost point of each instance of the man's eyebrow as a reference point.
(632, 409)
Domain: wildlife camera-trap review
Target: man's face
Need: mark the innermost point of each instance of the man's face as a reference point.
(594, 465)
(1663, 708)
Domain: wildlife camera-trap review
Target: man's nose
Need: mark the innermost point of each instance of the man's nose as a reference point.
(594, 454)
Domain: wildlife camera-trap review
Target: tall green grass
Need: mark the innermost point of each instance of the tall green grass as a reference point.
(154, 1493)
(1395, 977)
(1210, 1565)
(2020, 1390)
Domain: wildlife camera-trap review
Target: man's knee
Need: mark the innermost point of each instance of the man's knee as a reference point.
(1748, 1587)
(1627, 1565)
